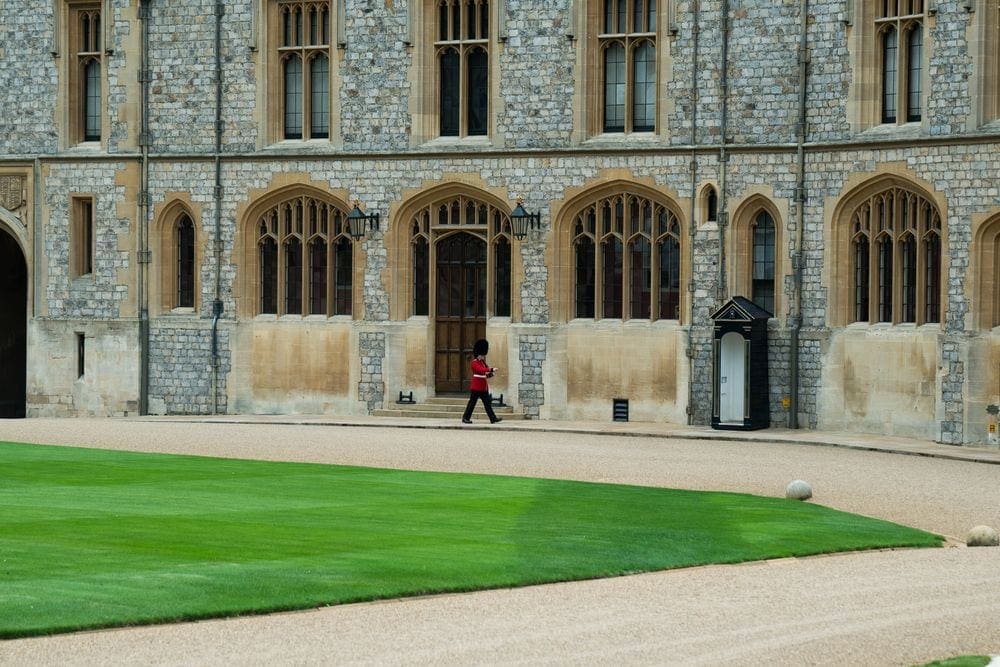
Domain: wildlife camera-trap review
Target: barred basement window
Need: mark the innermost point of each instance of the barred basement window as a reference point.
(306, 259)
(302, 53)
(461, 47)
(626, 249)
(626, 41)
(904, 229)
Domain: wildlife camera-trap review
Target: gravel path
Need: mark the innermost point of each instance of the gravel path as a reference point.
(884, 608)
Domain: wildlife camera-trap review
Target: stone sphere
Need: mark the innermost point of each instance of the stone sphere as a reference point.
(983, 536)
(799, 490)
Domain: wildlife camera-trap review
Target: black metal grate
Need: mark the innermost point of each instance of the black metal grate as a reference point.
(619, 409)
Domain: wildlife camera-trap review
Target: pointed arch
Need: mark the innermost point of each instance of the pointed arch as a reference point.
(986, 268)
(619, 253)
(297, 257)
(873, 222)
(428, 216)
(757, 256)
(177, 255)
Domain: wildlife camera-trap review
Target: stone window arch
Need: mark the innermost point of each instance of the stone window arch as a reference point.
(624, 255)
(299, 258)
(177, 250)
(890, 256)
(758, 261)
(440, 215)
(987, 278)
(709, 204)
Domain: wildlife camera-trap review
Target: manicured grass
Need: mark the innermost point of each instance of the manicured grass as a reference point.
(962, 661)
(94, 538)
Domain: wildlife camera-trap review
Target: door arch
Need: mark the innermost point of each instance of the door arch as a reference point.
(13, 326)
(460, 310)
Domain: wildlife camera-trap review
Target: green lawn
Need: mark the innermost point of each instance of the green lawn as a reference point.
(94, 538)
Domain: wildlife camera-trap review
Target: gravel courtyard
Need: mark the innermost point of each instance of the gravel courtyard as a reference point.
(882, 608)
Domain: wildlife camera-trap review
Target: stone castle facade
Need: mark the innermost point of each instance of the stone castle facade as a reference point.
(177, 180)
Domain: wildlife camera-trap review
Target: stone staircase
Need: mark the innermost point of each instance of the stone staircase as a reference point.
(446, 407)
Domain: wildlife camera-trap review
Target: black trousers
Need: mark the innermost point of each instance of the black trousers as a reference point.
(487, 400)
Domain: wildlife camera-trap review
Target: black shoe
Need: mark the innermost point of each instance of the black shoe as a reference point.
(466, 421)
(497, 420)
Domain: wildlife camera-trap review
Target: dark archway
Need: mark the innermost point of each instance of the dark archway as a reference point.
(13, 327)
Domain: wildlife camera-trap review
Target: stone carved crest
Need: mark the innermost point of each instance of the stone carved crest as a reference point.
(12, 192)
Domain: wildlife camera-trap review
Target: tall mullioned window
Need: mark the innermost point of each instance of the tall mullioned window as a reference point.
(86, 74)
(627, 44)
(626, 260)
(305, 259)
(303, 39)
(899, 25)
(184, 238)
(762, 287)
(896, 257)
(462, 50)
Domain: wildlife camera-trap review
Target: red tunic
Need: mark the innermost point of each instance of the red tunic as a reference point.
(479, 371)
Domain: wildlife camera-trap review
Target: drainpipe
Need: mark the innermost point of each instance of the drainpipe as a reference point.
(723, 153)
(795, 311)
(220, 10)
(695, 32)
(144, 208)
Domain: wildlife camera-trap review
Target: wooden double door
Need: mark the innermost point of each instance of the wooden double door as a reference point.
(460, 313)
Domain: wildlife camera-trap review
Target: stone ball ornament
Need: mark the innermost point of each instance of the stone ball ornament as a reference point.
(798, 490)
(983, 536)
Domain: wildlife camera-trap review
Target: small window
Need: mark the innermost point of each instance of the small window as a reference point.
(762, 281)
(82, 236)
(184, 235)
(81, 354)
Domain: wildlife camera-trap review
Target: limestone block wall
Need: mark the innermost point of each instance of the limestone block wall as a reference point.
(28, 74)
(109, 384)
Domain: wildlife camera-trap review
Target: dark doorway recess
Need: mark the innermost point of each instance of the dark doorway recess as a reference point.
(461, 308)
(13, 327)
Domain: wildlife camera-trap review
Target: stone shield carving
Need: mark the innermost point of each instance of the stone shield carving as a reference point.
(11, 192)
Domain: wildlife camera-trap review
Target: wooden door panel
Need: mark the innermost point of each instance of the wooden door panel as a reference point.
(461, 308)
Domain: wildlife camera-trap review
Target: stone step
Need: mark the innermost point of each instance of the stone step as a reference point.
(417, 411)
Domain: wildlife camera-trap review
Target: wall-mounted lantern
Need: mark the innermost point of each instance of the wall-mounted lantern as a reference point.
(521, 221)
(359, 223)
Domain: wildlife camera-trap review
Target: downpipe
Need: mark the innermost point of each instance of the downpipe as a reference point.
(800, 202)
(220, 11)
(695, 34)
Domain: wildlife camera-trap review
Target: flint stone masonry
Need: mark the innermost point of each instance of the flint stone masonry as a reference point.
(537, 149)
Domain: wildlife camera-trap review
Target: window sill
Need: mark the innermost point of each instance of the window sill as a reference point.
(893, 131)
(458, 142)
(622, 138)
(181, 312)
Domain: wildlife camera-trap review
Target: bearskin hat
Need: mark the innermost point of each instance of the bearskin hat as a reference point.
(481, 346)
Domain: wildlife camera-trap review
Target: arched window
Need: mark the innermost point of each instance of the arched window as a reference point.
(184, 235)
(462, 42)
(86, 77)
(480, 218)
(987, 274)
(626, 249)
(313, 272)
(626, 40)
(896, 258)
(302, 37)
